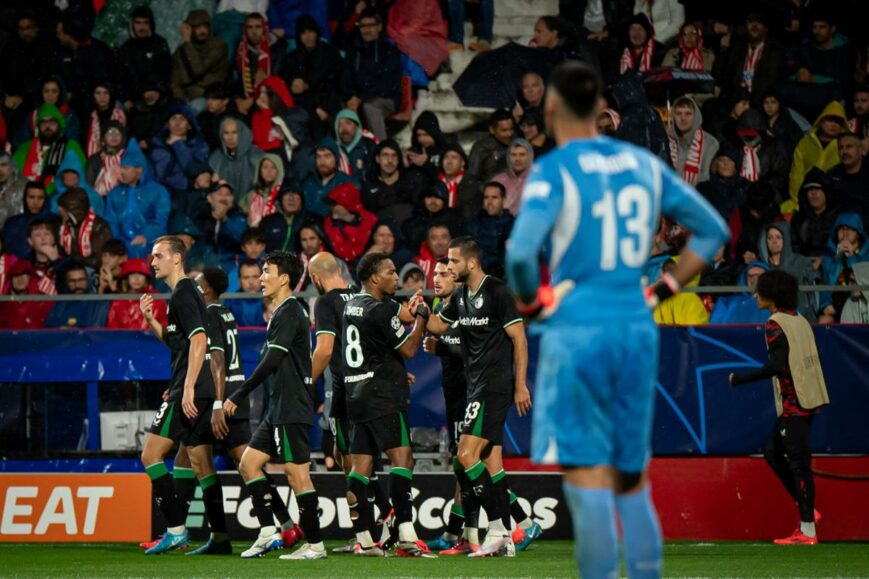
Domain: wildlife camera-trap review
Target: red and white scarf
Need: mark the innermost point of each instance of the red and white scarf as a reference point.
(629, 58)
(38, 162)
(691, 170)
(261, 207)
(750, 164)
(94, 132)
(82, 238)
(344, 161)
(749, 66)
(109, 175)
(692, 58)
(452, 188)
(250, 78)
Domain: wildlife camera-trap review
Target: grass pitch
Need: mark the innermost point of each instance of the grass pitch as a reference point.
(544, 559)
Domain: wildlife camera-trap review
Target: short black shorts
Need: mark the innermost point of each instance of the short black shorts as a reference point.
(380, 434)
(239, 434)
(171, 422)
(485, 416)
(341, 429)
(282, 442)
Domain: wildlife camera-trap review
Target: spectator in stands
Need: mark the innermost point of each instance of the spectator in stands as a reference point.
(11, 189)
(112, 257)
(24, 315)
(81, 61)
(684, 309)
(281, 228)
(357, 148)
(533, 129)
(530, 96)
(850, 178)
(725, 189)
(456, 20)
(845, 249)
(46, 256)
(280, 127)
(763, 157)
(104, 108)
(371, 78)
(433, 209)
(237, 159)
(257, 56)
(559, 40)
(666, 16)
(28, 60)
(103, 168)
(221, 225)
(639, 124)
(35, 206)
(176, 146)
(856, 308)
(813, 221)
(819, 148)
(247, 311)
(489, 154)
(755, 63)
(78, 313)
(721, 270)
(71, 175)
(7, 260)
(860, 123)
(253, 247)
(390, 191)
(54, 92)
(325, 177)
(427, 145)
(642, 51)
(261, 200)
(349, 225)
(741, 308)
(218, 107)
(690, 54)
(411, 278)
(82, 231)
(780, 122)
(284, 15)
(138, 207)
(386, 238)
(691, 148)
(148, 114)
(199, 62)
(491, 228)
(183, 227)
(748, 220)
(518, 168)
(144, 55)
(190, 202)
(435, 247)
(464, 192)
(40, 157)
(776, 251)
(134, 278)
(312, 240)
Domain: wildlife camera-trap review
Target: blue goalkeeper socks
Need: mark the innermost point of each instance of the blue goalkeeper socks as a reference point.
(641, 534)
(594, 531)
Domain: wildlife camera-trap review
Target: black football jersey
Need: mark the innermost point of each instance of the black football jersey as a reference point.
(292, 392)
(223, 336)
(329, 316)
(452, 357)
(374, 375)
(483, 317)
(186, 316)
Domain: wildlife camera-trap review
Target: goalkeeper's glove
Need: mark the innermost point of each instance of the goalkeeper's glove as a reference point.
(661, 290)
(547, 301)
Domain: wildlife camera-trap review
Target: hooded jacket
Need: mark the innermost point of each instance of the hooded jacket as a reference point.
(319, 67)
(811, 231)
(725, 194)
(255, 202)
(238, 168)
(810, 152)
(740, 308)
(315, 190)
(196, 66)
(140, 209)
(170, 162)
(372, 70)
(24, 315)
(71, 163)
(349, 239)
(288, 119)
(142, 57)
(360, 151)
(278, 232)
(400, 255)
(27, 128)
(26, 159)
(683, 143)
(512, 182)
(833, 265)
(793, 263)
(77, 205)
(856, 308)
(428, 122)
(640, 124)
(125, 314)
(15, 229)
(658, 50)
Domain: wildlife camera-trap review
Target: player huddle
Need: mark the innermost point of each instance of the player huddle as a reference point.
(362, 337)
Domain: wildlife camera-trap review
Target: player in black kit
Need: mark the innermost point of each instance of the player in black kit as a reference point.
(492, 334)
(378, 394)
(283, 436)
(185, 415)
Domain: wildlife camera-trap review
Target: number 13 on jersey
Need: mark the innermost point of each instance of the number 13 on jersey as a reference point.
(632, 205)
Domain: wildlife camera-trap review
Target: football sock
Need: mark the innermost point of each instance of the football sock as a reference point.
(309, 518)
(164, 495)
(457, 520)
(400, 482)
(358, 485)
(641, 534)
(486, 493)
(261, 499)
(594, 530)
(470, 504)
(807, 529)
(518, 513)
(804, 483)
(380, 495)
(499, 479)
(279, 507)
(185, 488)
(212, 497)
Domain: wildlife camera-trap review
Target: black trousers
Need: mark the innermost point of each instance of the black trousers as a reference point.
(789, 454)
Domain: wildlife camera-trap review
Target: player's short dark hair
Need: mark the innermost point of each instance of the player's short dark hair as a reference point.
(469, 248)
(499, 186)
(288, 263)
(369, 264)
(579, 87)
(39, 223)
(443, 260)
(176, 245)
(252, 234)
(780, 287)
(216, 279)
(114, 246)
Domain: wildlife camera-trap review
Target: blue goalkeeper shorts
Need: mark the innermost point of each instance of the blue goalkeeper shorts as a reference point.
(594, 396)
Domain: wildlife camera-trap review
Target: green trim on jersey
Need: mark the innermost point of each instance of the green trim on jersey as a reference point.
(511, 322)
(195, 331)
(278, 346)
(472, 295)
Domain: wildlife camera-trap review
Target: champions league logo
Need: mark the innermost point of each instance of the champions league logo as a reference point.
(395, 322)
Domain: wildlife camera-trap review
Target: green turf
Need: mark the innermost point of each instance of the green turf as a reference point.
(545, 559)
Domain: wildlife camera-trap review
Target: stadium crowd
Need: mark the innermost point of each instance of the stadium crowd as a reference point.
(253, 125)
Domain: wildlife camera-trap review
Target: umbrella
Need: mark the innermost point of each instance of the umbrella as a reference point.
(492, 78)
(670, 83)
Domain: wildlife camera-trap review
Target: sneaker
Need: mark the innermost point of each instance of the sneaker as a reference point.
(373, 551)
(798, 538)
(263, 545)
(529, 535)
(463, 547)
(213, 548)
(348, 548)
(389, 532)
(307, 552)
(509, 549)
(493, 545)
(148, 544)
(292, 536)
(441, 543)
(414, 549)
(169, 542)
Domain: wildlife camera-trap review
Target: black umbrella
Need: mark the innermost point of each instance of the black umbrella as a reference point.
(670, 83)
(492, 78)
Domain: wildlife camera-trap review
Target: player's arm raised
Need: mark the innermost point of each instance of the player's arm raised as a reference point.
(421, 313)
(146, 306)
(521, 394)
